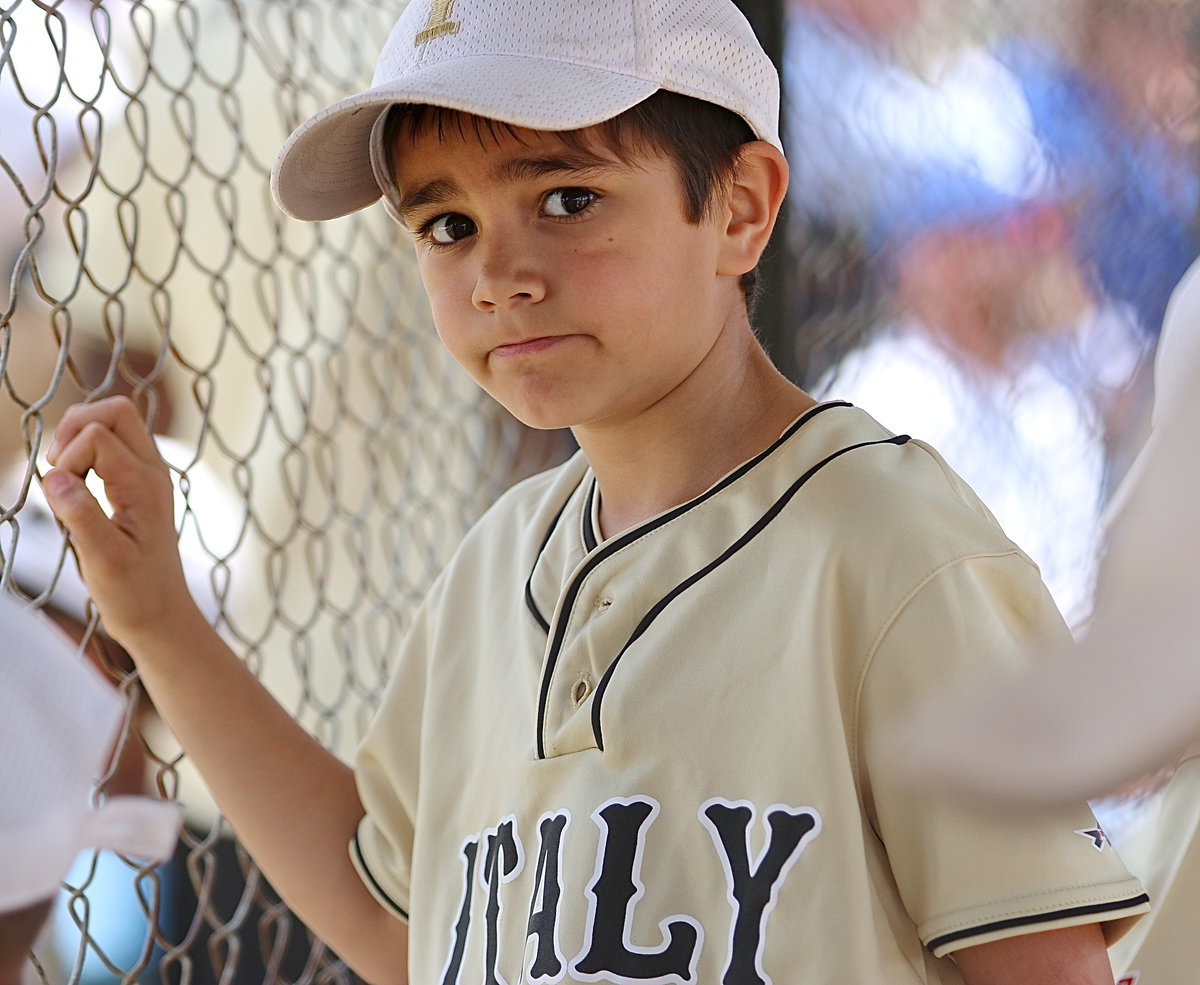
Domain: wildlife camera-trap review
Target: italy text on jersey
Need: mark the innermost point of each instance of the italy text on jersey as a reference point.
(498, 855)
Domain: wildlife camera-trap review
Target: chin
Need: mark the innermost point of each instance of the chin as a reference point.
(545, 414)
(544, 421)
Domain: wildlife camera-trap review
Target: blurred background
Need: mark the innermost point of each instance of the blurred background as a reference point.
(991, 201)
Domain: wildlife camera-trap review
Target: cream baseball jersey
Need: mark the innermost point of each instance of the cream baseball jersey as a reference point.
(655, 758)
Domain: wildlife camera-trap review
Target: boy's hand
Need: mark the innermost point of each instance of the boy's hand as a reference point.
(130, 561)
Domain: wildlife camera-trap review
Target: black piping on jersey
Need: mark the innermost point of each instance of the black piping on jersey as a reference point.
(530, 604)
(759, 526)
(616, 544)
(589, 533)
(1036, 918)
(589, 528)
(362, 862)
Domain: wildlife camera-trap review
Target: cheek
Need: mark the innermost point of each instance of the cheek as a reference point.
(453, 331)
(449, 302)
(620, 273)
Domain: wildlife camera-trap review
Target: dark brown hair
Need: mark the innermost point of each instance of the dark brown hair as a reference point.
(703, 140)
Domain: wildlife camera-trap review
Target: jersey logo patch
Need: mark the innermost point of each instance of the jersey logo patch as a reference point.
(610, 953)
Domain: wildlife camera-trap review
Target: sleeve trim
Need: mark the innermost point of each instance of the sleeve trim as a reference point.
(1031, 920)
(373, 883)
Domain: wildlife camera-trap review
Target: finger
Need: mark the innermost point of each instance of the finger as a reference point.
(92, 533)
(139, 490)
(117, 414)
(129, 563)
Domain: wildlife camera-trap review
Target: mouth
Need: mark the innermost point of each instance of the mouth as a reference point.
(527, 347)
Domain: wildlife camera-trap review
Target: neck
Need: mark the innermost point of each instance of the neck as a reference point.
(700, 431)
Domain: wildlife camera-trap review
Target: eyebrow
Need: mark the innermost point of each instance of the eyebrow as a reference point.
(431, 193)
(582, 166)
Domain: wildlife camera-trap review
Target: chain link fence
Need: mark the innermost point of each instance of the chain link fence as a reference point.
(328, 453)
(963, 257)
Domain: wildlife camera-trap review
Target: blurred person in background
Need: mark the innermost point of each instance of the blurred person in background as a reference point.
(1114, 102)
(890, 123)
(936, 165)
(1025, 204)
(968, 364)
(1114, 98)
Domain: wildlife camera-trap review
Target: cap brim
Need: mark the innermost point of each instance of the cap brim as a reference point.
(38, 856)
(324, 169)
(58, 719)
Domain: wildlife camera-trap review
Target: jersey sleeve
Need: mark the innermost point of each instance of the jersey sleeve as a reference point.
(387, 770)
(968, 875)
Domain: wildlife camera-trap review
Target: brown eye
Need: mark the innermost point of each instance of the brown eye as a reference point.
(450, 228)
(568, 201)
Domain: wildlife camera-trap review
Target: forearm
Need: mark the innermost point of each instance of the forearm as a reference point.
(291, 801)
(1068, 956)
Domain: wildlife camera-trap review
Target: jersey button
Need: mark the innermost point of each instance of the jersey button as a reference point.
(582, 688)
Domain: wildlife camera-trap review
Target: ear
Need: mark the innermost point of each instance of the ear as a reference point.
(755, 199)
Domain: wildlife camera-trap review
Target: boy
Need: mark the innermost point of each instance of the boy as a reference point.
(58, 720)
(631, 736)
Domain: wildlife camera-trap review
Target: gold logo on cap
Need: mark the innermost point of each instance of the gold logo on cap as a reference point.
(439, 24)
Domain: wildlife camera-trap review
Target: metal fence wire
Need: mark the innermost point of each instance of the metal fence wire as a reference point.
(328, 453)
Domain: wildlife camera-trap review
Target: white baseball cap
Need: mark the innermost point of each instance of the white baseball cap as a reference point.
(58, 720)
(539, 64)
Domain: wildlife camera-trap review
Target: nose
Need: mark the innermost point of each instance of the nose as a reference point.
(508, 276)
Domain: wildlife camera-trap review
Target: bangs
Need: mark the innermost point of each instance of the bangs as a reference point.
(413, 121)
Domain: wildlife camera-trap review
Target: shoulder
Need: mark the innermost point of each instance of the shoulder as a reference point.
(899, 546)
(882, 491)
